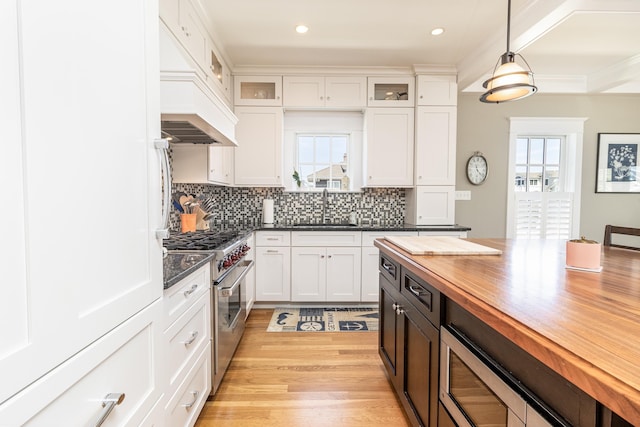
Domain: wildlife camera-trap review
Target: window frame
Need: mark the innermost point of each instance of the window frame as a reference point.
(571, 129)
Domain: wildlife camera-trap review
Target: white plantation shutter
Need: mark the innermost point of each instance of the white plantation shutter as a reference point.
(543, 215)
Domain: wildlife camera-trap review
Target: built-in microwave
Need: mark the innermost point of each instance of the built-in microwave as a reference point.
(478, 392)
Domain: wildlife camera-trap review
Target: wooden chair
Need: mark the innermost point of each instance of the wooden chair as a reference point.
(609, 230)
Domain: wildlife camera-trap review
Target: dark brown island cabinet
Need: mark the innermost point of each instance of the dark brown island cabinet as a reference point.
(409, 341)
(411, 315)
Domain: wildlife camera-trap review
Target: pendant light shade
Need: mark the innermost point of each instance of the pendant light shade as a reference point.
(510, 80)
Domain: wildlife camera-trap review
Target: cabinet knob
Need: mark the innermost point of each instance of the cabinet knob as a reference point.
(321, 98)
(421, 96)
(371, 98)
(328, 98)
(321, 256)
(329, 256)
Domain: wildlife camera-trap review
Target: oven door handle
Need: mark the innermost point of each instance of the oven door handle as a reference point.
(229, 290)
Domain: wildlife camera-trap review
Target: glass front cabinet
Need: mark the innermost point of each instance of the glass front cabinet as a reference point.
(391, 91)
(258, 90)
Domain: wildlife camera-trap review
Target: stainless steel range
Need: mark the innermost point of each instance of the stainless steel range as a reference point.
(228, 287)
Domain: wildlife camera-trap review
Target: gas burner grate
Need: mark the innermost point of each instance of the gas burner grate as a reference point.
(202, 241)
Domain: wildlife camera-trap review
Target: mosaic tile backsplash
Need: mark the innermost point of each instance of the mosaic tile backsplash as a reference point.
(243, 206)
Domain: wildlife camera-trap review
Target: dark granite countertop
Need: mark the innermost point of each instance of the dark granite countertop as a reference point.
(177, 266)
(360, 227)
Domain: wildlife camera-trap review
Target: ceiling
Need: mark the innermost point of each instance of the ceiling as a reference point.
(572, 46)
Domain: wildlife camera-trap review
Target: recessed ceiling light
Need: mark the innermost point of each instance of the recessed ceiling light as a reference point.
(437, 31)
(302, 29)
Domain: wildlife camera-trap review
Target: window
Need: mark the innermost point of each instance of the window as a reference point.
(341, 132)
(538, 164)
(545, 174)
(322, 161)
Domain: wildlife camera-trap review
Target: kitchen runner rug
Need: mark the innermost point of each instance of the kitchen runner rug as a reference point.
(313, 319)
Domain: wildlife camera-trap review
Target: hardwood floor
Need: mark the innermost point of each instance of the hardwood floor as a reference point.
(310, 379)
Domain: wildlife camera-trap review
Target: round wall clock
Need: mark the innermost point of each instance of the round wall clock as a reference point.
(477, 168)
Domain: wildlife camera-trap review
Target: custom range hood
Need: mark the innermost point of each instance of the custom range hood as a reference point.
(190, 111)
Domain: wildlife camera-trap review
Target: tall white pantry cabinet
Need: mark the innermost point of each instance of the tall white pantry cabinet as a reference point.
(82, 268)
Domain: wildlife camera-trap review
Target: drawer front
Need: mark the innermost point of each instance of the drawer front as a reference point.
(185, 405)
(424, 297)
(326, 238)
(273, 238)
(369, 236)
(181, 296)
(187, 336)
(122, 361)
(390, 270)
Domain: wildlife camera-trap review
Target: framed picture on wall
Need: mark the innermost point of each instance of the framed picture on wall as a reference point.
(618, 163)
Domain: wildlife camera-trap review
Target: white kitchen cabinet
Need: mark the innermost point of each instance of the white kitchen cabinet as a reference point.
(370, 288)
(257, 90)
(184, 406)
(273, 266)
(388, 151)
(395, 91)
(185, 341)
(192, 33)
(186, 346)
(122, 361)
(330, 274)
(320, 92)
(435, 146)
(183, 18)
(440, 90)
(202, 164)
(325, 266)
(217, 71)
(430, 205)
(75, 284)
(258, 157)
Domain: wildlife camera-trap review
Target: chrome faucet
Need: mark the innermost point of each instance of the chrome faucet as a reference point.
(325, 203)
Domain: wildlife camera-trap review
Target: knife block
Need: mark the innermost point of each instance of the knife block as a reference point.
(201, 224)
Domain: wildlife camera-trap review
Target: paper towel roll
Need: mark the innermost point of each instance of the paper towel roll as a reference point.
(267, 211)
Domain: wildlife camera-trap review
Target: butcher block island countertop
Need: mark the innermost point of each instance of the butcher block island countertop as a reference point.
(583, 325)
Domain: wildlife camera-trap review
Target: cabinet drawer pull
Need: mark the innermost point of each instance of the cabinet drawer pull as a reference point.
(108, 403)
(272, 251)
(417, 291)
(188, 406)
(191, 339)
(191, 290)
(272, 238)
(389, 268)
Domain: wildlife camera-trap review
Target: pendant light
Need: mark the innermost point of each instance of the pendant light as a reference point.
(510, 81)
